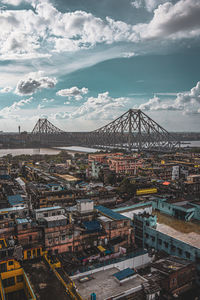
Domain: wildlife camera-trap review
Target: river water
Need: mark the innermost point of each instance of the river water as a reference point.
(47, 151)
(72, 149)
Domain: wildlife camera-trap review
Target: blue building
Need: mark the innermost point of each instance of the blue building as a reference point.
(148, 237)
(184, 210)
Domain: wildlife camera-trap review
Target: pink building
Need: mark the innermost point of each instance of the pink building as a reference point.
(125, 164)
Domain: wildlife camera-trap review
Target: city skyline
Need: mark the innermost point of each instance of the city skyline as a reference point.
(82, 64)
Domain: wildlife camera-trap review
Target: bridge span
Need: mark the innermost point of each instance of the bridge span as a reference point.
(134, 130)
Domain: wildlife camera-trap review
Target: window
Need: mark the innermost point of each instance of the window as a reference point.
(10, 263)
(63, 237)
(166, 244)
(173, 248)
(3, 267)
(45, 215)
(159, 241)
(8, 281)
(180, 251)
(187, 254)
(24, 226)
(19, 278)
(28, 254)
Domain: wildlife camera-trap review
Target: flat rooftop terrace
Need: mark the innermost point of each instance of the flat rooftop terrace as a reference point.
(43, 281)
(105, 286)
(187, 232)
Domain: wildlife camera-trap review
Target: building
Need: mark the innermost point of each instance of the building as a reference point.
(159, 237)
(192, 185)
(125, 164)
(48, 212)
(183, 210)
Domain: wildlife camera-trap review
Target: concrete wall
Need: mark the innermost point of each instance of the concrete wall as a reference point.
(134, 262)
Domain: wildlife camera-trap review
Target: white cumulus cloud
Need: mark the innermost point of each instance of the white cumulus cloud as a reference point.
(180, 20)
(45, 31)
(33, 83)
(102, 107)
(10, 111)
(73, 92)
(187, 102)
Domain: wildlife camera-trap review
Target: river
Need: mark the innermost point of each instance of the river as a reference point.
(72, 150)
(43, 151)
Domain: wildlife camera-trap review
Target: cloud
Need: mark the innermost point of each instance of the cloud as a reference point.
(45, 31)
(128, 54)
(12, 2)
(151, 104)
(7, 89)
(10, 111)
(33, 83)
(102, 107)
(187, 102)
(180, 20)
(73, 92)
(149, 5)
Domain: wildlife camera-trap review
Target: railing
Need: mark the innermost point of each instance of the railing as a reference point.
(2, 293)
(64, 279)
(83, 269)
(27, 288)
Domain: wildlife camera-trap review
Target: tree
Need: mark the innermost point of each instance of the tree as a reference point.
(127, 187)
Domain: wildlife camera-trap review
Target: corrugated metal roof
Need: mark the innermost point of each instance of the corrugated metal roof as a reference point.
(22, 221)
(109, 213)
(15, 199)
(124, 274)
(92, 226)
(9, 209)
(47, 208)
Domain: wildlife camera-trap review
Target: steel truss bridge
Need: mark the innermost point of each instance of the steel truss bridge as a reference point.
(133, 130)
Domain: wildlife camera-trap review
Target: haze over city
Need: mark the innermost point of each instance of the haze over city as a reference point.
(83, 63)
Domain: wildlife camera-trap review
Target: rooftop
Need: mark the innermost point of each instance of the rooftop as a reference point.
(67, 177)
(124, 274)
(109, 213)
(105, 286)
(187, 232)
(22, 221)
(15, 199)
(47, 208)
(170, 265)
(10, 209)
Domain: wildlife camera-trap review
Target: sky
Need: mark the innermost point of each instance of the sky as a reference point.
(83, 63)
